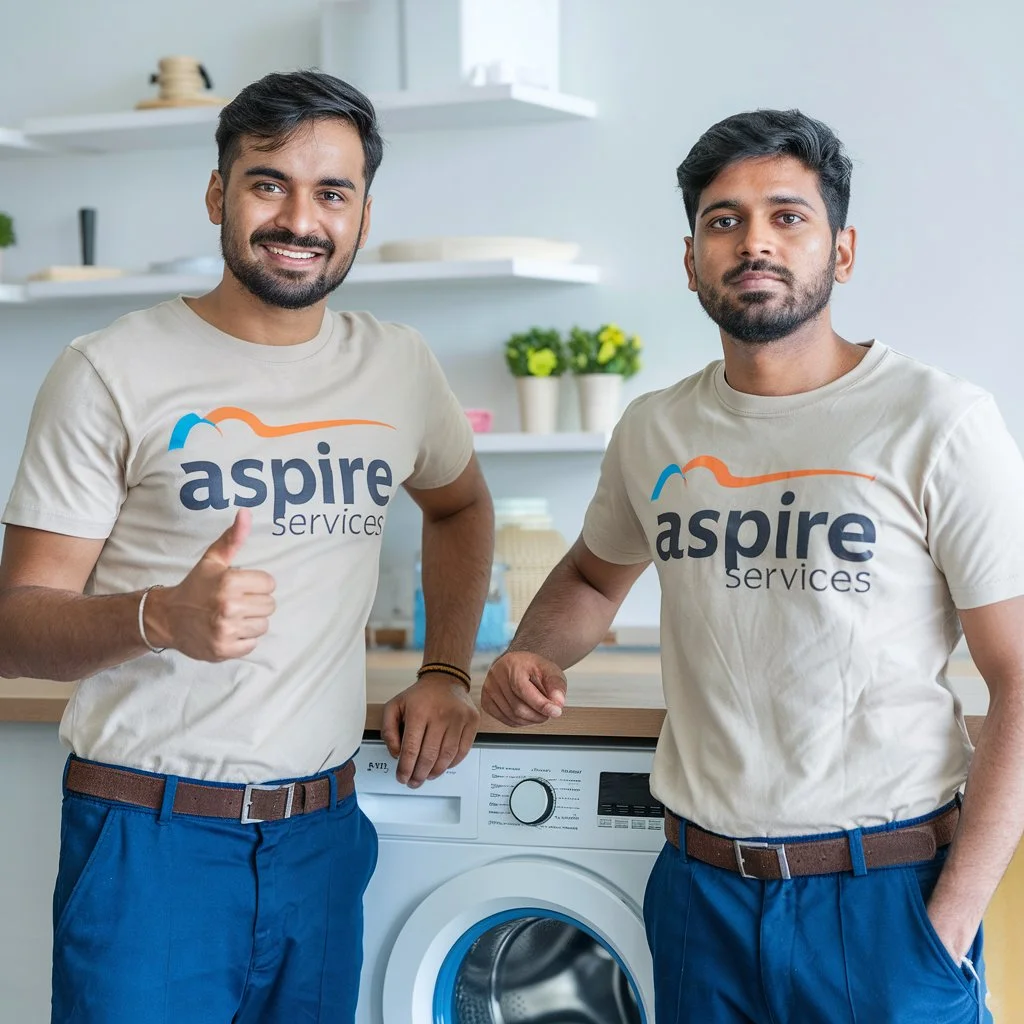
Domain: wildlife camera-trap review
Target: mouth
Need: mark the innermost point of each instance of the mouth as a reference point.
(757, 279)
(286, 256)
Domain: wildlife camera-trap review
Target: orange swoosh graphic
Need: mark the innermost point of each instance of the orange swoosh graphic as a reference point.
(233, 412)
(724, 476)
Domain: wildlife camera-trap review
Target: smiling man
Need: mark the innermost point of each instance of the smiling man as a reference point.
(827, 519)
(194, 533)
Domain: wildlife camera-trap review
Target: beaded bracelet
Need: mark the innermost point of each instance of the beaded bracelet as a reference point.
(448, 670)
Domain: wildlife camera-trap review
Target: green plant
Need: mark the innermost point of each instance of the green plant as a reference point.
(536, 353)
(6, 231)
(607, 350)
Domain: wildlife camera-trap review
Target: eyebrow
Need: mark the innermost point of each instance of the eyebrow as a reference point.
(734, 204)
(273, 172)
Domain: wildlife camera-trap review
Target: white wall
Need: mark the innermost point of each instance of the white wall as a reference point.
(924, 101)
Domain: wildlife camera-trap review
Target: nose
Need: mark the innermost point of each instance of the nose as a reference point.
(756, 240)
(298, 214)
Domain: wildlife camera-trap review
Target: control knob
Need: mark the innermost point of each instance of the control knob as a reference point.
(532, 801)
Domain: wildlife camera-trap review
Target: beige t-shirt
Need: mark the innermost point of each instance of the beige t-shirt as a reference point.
(812, 552)
(152, 434)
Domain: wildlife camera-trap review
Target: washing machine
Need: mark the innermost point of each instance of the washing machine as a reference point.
(510, 890)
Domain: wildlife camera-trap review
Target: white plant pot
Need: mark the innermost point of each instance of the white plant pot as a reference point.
(600, 401)
(538, 404)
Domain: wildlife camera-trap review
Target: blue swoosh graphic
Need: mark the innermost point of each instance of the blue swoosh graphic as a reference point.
(179, 435)
(666, 474)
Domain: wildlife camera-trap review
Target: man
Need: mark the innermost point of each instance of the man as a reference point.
(824, 517)
(194, 532)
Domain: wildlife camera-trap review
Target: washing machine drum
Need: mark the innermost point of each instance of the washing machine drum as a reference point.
(540, 970)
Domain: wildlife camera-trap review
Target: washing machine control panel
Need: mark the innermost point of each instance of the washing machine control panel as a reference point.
(563, 796)
(520, 794)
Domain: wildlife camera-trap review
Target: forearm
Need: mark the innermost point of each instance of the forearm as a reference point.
(567, 618)
(457, 554)
(66, 636)
(991, 823)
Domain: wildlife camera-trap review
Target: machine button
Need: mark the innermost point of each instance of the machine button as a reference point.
(532, 801)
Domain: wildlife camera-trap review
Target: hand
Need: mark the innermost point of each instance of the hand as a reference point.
(951, 932)
(430, 727)
(523, 689)
(216, 612)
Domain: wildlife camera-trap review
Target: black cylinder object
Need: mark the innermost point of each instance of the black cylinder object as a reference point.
(87, 235)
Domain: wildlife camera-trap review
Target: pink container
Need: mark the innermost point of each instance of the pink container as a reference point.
(480, 420)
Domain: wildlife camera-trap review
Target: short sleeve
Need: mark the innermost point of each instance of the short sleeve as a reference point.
(611, 528)
(447, 443)
(71, 479)
(974, 501)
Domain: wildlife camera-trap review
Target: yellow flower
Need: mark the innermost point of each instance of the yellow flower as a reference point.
(606, 353)
(541, 362)
(611, 335)
(637, 343)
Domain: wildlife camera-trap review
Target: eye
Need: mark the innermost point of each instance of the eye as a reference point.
(333, 197)
(724, 223)
(268, 186)
(790, 218)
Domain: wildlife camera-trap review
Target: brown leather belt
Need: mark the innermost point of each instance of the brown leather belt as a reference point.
(245, 804)
(767, 860)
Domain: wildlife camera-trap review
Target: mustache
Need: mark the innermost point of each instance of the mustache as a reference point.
(282, 236)
(757, 267)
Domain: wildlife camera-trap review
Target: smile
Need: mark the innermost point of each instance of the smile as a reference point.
(291, 254)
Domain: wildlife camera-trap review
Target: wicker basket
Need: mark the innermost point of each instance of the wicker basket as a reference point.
(529, 555)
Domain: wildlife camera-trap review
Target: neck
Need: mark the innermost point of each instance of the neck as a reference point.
(811, 357)
(233, 309)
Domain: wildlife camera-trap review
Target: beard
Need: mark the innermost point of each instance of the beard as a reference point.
(761, 317)
(286, 289)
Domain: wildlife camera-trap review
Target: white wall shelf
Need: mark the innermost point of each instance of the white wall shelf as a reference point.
(156, 285)
(488, 106)
(536, 444)
(124, 130)
(13, 143)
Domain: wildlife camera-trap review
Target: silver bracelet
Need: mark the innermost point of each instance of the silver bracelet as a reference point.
(142, 628)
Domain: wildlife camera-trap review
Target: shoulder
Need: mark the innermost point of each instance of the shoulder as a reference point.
(394, 337)
(653, 405)
(128, 336)
(924, 393)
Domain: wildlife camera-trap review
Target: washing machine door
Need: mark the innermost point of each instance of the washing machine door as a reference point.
(524, 940)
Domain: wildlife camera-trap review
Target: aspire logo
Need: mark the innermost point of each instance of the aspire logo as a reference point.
(722, 474)
(779, 534)
(185, 425)
(346, 483)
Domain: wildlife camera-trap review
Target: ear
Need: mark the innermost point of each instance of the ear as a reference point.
(691, 273)
(846, 252)
(365, 228)
(215, 198)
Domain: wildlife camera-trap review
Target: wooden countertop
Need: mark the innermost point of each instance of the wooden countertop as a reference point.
(611, 694)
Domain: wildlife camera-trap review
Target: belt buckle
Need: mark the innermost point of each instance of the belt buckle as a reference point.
(246, 819)
(780, 851)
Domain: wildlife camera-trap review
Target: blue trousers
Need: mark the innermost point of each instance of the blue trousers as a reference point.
(172, 919)
(822, 949)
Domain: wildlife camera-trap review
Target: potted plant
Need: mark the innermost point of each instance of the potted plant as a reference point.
(6, 238)
(536, 358)
(601, 360)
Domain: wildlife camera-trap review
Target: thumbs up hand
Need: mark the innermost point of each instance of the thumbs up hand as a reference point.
(216, 612)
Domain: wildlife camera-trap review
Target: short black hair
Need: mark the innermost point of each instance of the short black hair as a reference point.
(280, 104)
(761, 133)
